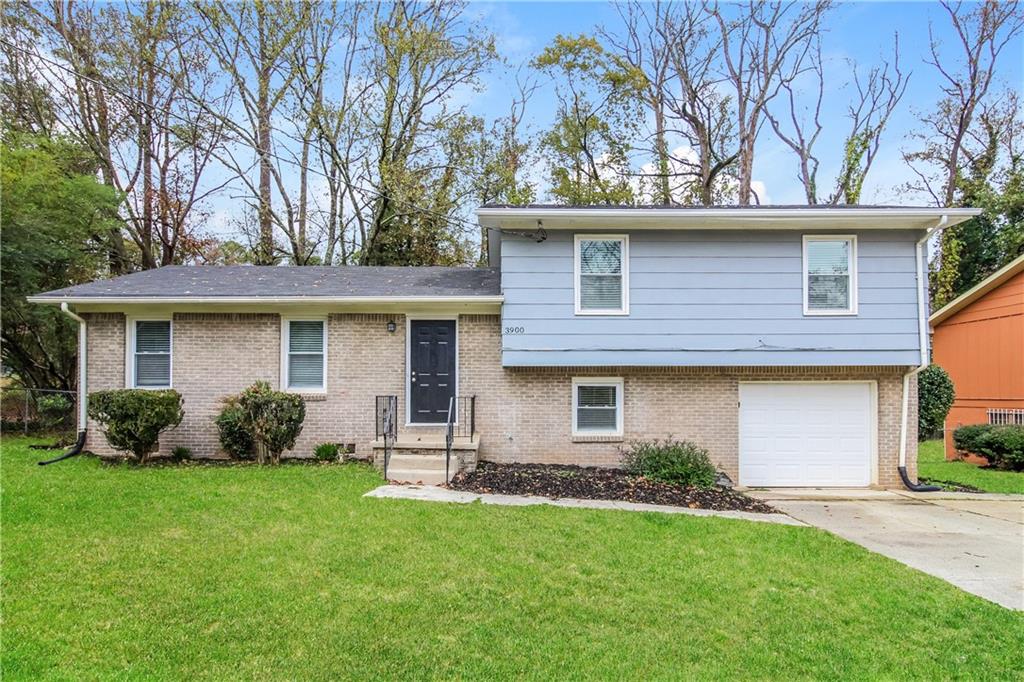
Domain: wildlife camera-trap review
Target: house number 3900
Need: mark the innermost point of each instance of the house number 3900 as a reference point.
(515, 330)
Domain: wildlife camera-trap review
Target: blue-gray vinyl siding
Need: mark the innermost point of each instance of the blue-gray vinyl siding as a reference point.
(712, 298)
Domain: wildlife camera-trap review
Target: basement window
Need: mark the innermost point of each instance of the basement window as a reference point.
(596, 407)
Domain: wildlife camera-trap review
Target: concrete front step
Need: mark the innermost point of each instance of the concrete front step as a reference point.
(422, 477)
(428, 469)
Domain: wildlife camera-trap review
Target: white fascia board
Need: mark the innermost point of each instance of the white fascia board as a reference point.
(257, 300)
(722, 218)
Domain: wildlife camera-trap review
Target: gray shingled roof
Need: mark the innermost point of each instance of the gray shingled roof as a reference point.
(248, 281)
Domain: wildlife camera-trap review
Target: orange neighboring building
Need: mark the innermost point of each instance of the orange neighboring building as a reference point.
(979, 339)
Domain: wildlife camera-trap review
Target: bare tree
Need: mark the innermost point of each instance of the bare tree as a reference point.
(877, 96)
(950, 136)
(253, 44)
(983, 31)
(764, 47)
(700, 113)
(643, 46)
(126, 86)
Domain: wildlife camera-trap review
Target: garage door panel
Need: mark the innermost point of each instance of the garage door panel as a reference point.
(805, 434)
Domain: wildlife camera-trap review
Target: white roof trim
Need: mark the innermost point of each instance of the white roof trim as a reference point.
(314, 300)
(724, 218)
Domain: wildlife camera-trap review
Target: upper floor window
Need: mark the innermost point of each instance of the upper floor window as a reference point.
(150, 349)
(830, 275)
(602, 274)
(304, 354)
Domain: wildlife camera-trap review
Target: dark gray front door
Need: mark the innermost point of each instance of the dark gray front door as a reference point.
(432, 370)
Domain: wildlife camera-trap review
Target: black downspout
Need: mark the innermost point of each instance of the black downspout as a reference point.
(76, 449)
(916, 487)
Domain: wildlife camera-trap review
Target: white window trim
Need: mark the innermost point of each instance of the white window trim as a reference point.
(852, 265)
(408, 365)
(578, 271)
(129, 351)
(620, 407)
(285, 322)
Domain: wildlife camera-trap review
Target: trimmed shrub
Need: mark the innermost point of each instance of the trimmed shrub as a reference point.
(326, 452)
(133, 418)
(1003, 446)
(935, 393)
(273, 418)
(235, 436)
(671, 461)
(181, 453)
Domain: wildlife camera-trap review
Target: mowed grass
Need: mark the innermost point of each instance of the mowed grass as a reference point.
(932, 464)
(289, 572)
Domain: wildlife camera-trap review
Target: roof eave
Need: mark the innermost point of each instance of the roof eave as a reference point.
(724, 218)
(250, 300)
(993, 281)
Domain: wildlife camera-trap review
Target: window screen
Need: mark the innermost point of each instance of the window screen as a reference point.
(597, 408)
(601, 270)
(153, 353)
(306, 354)
(828, 274)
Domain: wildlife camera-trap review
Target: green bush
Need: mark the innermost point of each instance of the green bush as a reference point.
(965, 438)
(235, 436)
(181, 453)
(274, 418)
(935, 394)
(53, 409)
(133, 418)
(671, 461)
(326, 452)
(1003, 446)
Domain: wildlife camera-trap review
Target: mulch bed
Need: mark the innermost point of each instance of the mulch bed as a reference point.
(591, 483)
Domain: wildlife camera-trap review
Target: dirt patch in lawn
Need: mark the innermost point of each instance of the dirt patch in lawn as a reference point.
(592, 483)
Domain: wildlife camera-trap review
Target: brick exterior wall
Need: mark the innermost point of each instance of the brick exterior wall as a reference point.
(523, 414)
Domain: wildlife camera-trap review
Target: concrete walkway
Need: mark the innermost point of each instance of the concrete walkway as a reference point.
(973, 541)
(436, 494)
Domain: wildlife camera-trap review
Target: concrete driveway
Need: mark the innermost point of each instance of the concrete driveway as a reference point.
(975, 542)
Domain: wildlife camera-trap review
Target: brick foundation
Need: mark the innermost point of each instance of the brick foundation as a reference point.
(523, 414)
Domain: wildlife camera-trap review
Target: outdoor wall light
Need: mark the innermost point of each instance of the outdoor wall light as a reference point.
(392, 326)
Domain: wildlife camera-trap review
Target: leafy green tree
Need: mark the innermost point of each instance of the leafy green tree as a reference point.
(55, 217)
(599, 106)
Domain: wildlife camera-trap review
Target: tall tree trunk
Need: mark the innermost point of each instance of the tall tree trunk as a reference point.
(265, 250)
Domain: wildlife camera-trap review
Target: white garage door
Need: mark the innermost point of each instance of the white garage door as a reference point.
(806, 434)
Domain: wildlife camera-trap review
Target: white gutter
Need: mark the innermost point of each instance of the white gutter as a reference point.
(922, 331)
(82, 365)
(314, 300)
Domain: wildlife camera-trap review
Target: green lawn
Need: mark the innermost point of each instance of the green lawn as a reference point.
(932, 464)
(288, 572)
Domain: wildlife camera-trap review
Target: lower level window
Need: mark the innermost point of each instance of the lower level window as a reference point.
(151, 354)
(597, 406)
(305, 344)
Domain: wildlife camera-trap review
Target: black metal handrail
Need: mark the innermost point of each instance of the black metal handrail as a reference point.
(461, 423)
(386, 424)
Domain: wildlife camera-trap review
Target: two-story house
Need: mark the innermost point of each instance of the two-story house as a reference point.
(783, 339)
